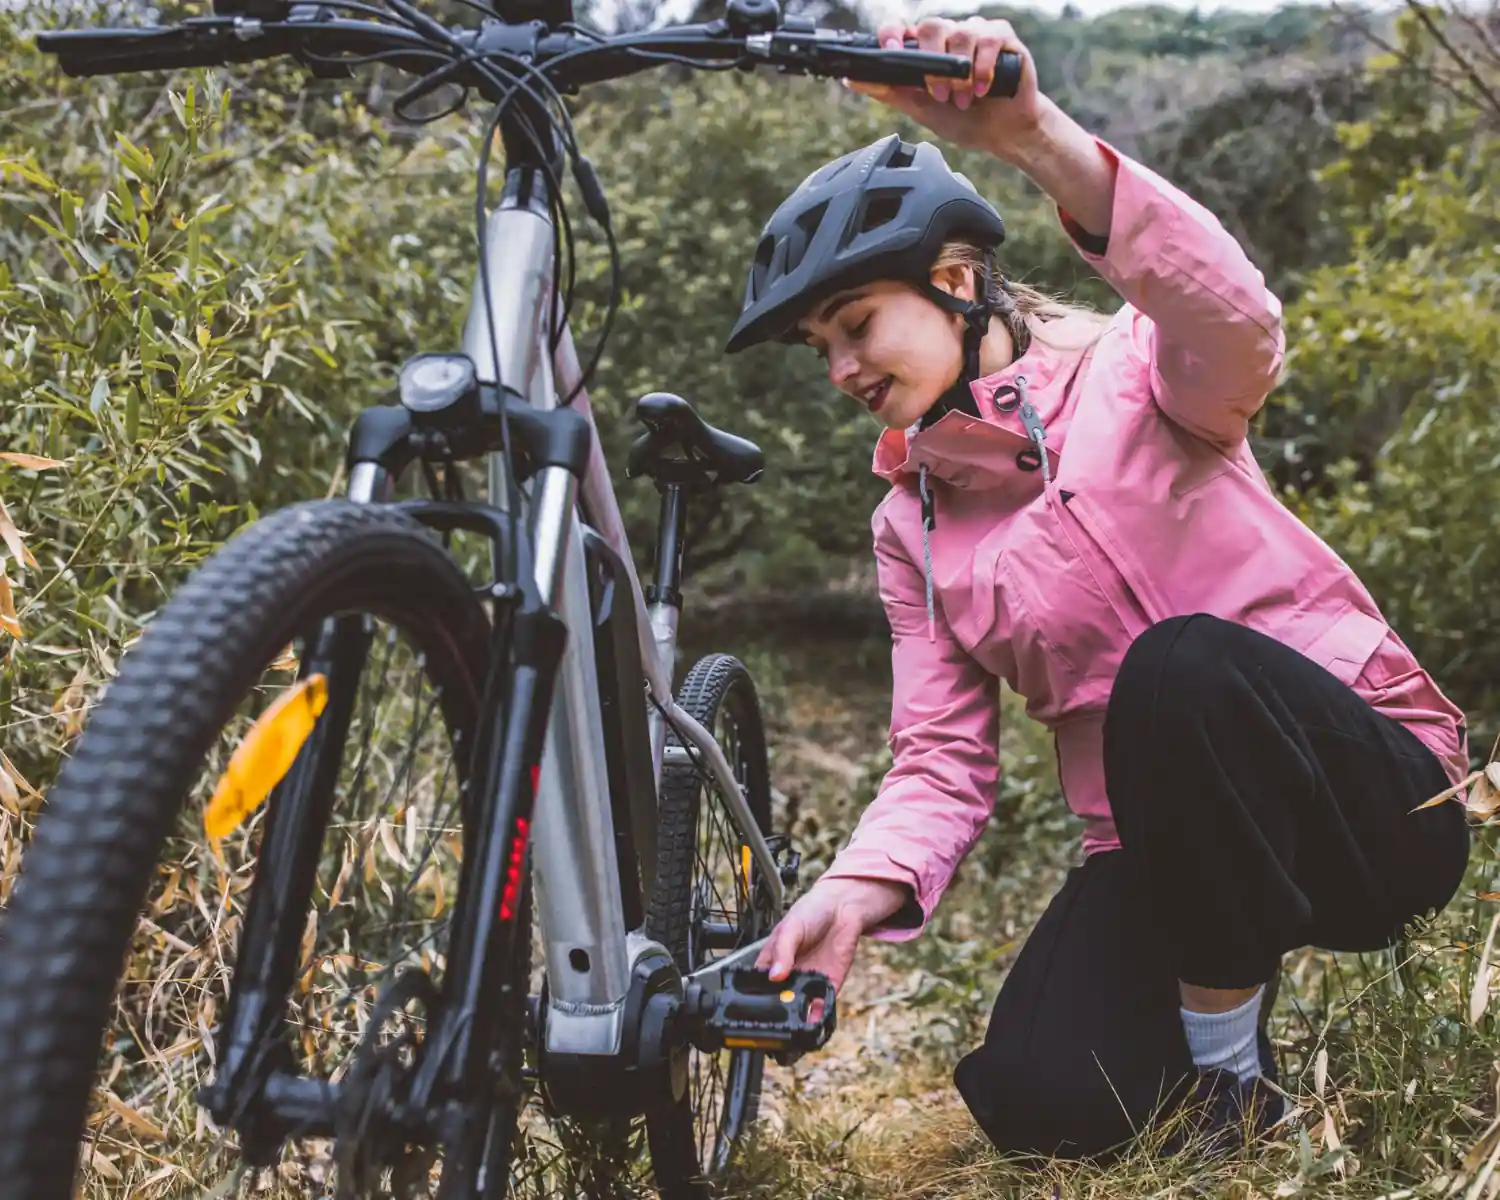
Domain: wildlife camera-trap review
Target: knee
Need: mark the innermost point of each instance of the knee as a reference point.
(1178, 664)
(1026, 1110)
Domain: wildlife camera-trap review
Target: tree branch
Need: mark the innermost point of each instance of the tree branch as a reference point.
(1465, 65)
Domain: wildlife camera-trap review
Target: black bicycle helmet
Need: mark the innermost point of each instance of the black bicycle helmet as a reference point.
(882, 212)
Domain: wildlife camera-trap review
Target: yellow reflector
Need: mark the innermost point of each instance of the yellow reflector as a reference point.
(745, 867)
(266, 754)
(788, 996)
(748, 1043)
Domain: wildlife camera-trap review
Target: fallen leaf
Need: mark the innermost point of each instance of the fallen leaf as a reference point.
(343, 877)
(8, 769)
(168, 895)
(70, 704)
(309, 937)
(135, 1120)
(12, 538)
(431, 880)
(1450, 793)
(32, 462)
(1487, 895)
(1320, 1072)
(1492, 773)
(104, 1166)
(388, 840)
(1484, 797)
(8, 619)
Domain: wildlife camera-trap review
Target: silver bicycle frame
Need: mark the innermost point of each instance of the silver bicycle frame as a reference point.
(589, 955)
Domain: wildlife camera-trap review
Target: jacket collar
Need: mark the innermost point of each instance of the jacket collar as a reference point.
(957, 448)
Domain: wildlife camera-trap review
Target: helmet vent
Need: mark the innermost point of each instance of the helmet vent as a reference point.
(762, 265)
(903, 156)
(880, 208)
(806, 228)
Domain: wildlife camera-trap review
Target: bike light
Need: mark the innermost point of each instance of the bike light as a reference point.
(440, 389)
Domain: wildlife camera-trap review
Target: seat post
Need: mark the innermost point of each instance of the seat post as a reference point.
(666, 587)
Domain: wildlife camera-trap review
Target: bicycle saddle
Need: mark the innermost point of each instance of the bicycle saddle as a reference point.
(680, 447)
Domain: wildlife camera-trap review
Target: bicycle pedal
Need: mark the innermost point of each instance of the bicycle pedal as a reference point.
(749, 1011)
(788, 861)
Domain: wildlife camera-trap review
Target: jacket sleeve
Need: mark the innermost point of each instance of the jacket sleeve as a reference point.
(1205, 321)
(944, 736)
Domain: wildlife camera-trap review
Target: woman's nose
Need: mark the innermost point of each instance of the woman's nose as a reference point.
(842, 368)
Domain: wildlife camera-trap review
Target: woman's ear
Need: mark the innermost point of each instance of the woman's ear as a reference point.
(956, 280)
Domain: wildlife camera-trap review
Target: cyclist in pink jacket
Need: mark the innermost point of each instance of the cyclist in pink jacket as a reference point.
(1074, 509)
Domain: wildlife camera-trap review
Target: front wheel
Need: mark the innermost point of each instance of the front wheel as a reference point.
(707, 903)
(342, 881)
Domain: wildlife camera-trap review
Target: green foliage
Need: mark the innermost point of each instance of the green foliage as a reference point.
(131, 349)
(202, 279)
(1386, 418)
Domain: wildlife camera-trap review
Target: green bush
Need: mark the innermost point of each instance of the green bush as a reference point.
(134, 366)
(1393, 381)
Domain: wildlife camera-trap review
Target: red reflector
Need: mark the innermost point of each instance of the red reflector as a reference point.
(512, 889)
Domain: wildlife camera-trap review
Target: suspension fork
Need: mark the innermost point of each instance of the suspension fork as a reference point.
(481, 977)
(296, 822)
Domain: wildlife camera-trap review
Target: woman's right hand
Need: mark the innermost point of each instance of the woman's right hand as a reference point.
(820, 931)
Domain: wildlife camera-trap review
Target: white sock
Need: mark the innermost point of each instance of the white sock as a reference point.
(1226, 1040)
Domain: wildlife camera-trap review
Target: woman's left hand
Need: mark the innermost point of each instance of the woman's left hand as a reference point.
(963, 111)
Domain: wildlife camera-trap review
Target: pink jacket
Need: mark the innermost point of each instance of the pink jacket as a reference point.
(1152, 506)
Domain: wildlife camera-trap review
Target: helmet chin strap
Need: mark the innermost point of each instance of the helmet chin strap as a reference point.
(976, 314)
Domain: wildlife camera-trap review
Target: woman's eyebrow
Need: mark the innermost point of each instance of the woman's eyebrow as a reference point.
(837, 303)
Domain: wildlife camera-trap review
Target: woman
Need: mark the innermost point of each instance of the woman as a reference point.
(1074, 509)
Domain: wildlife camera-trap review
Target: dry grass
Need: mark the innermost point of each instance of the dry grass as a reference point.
(1394, 1066)
(1392, 1062)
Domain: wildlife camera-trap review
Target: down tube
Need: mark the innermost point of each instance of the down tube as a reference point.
(658, 639)
(574, 868)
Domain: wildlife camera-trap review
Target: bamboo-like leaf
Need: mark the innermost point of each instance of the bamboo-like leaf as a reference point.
(1449, 793)
(31, 462)
(8, 619)
(1479, 997)
(8, 769)
(70, 703)
(12, 538)
(134, 1119)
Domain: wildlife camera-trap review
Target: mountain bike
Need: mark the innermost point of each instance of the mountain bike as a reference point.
(546, 778)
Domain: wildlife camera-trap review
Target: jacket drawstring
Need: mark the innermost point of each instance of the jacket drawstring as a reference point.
(1035, 430)
(929, 522)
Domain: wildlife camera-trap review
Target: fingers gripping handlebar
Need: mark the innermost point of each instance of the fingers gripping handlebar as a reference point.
(751, 33)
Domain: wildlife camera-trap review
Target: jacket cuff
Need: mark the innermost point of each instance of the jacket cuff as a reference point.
(1141, 219)
(911, 918)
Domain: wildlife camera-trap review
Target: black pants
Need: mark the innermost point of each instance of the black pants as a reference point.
(1262, 806)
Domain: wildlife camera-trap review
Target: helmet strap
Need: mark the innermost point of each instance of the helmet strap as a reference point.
(976, 314)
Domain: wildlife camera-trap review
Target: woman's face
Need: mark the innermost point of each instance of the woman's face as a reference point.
(889, 347)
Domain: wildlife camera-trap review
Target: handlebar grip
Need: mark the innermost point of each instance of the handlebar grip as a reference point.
(1008, 68)
(82, 53)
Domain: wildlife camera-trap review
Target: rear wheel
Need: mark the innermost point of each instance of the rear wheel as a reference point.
(709, 901)
(341, 883)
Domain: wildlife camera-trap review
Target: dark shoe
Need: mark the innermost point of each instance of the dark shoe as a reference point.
(1268, 1064)
(1222, 1116)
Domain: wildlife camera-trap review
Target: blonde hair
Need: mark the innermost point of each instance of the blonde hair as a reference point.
(1029, 313)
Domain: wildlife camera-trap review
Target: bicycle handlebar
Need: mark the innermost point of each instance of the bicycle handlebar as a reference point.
(752, 33)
